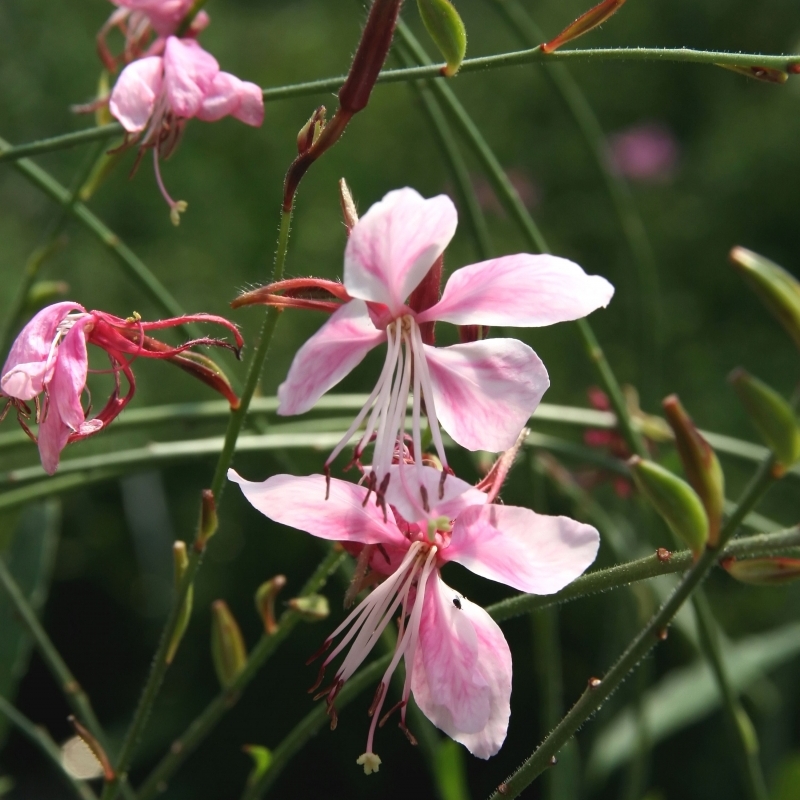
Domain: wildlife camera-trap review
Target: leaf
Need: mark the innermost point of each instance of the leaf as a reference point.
(687, 695)
(29, 548)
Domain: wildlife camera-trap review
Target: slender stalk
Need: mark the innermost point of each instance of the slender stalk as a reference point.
(208, 719)
(619, 191)
(516, 208)
(742, 732)
(129, 261)
(599, 690)
(66, 140)
(42, 740)
(159, 667)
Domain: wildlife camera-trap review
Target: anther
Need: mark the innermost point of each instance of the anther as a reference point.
(424, 494)
(320, 676)
(407, 732)
(325, 645)
(391, 711)
(376, 699)
(334, 718)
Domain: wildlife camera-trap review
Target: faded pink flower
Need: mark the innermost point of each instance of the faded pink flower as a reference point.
(154, 96)
(50, 358)
(644, 152)
(457, 661)
(481, 392)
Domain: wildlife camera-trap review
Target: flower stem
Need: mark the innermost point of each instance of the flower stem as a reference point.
(202, 726)
(159, 666)
(66, 140)
(130, 262)
(42, 740)
(599, 690)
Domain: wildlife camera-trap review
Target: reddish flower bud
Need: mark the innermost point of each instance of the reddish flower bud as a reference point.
(227, 645)
(310, 132)
(766, 74)
(591, 19)
(763, 571)
(265, 602)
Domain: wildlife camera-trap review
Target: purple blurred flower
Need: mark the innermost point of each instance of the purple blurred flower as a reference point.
(647, 152)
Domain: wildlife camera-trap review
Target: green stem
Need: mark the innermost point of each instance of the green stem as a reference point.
(619, 191)
(159, 667)
(129, 261)
(742, 731)
(202, 726)
(40, 255)
(66, 140)
(42, 740)
(510, 198)
(599, 690)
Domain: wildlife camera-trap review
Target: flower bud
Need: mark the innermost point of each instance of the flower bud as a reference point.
(778, 289)
(310, 132)
(181, 561)
(591, 19)
(208, 518)
(349, 210)
(265, 602)
(447, 30)
(227, 644)
(102, 115)
(312, 608)
(676, 502)
(262, 760)
(43, 293)
(763, 571)
(771, 415)
(700, 463)
(766, 74)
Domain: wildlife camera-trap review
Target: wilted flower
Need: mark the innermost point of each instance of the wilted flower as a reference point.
(644, 152)
(50, 358)
(154, 96)
(457, 661)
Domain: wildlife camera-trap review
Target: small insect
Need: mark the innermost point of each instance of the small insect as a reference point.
(457, 603)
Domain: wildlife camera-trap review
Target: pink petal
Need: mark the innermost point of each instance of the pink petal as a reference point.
(528, 551)
(28, 366)
(69, 376)
(52, 439)
(394, 244)
(134, 95)
(299, 502)
(403, 493)
(229, 95)
(484, 392)
(521, 290)
(330, 354)
(189, 73)
(461, 676)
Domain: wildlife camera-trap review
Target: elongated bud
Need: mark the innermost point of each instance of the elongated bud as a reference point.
(102, 115)
(94, 745)
(310, 132)
(262, 759)
(778, 289)
(700, 463)
(227, 644)
(591, 19)
(766, 74)
(675, 501)
(447, 30)
(208, 519)
(771, 415)
(349, 211)
(208, 371)
(181, 561)
(763, 571)
(43, 293)
(312, 608)
(265, 602)
(747, 730)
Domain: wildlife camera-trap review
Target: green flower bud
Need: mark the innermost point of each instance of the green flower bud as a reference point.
(43, 293)
(181, 561)
(676, 502)
(227, 644)
(208, 518)
(447, 31)
(778, 289)
(763, 571)
(311, 608)
(262, 759)
(700, 463)
(771, 415)
(265, 602)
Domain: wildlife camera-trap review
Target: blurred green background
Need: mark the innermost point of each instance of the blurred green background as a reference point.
(733, 181)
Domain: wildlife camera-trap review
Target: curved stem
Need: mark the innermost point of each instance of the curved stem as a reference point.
(62, 142)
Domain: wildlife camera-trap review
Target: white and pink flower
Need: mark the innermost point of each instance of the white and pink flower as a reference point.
(457, 661)
(481, 392)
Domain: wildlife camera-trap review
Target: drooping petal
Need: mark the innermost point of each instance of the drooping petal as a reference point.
(69, 376)
(485, 391)
(528, 551)
(229, 95)
(189, 73)
(394, 244)
(522, 290)
(52, 439)
(300, 503)
(461, 676)
(28, 366)
(330, 354)
(134, 95)
(403, 493)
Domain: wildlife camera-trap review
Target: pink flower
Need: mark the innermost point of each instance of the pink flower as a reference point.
(481, 392)
(644, 152)
(50, 358)
(457, 661)
(154, 96)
